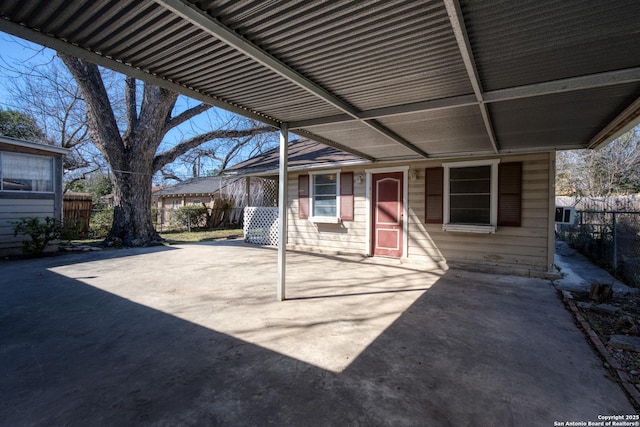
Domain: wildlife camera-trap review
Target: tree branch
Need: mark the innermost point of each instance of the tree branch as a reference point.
(232, 152)
(185, 115)
(157, 104)
(169, 156)
(130, 98)
(170, 175)
(84, 175)
(103, 127)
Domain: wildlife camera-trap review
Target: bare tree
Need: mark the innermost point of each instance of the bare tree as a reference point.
(48, 93)
(612, 170)
(134, 153)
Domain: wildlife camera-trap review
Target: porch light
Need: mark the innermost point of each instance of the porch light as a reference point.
(414, 175)
(359, 179)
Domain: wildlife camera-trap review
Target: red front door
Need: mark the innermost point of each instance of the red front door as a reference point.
(387, 214)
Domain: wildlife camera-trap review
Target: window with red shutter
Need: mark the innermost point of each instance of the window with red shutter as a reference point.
(474, 196)
(510, 194)
(303, 196)
(433, 195)
(346, 196)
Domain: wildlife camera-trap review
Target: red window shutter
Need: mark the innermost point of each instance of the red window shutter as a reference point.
(510, 194)
(346, 195)
(434, 181)
(303, 196)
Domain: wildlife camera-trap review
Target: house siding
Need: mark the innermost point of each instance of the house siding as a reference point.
(521, 250)
(15, 205)
(347, 237)
(11, 210)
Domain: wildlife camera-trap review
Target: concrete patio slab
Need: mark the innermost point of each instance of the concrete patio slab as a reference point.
(193, 335)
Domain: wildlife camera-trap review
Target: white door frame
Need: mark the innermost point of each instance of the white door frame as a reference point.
(368, 250)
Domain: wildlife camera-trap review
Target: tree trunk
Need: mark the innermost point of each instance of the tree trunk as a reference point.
(132, 179)
(132, 222)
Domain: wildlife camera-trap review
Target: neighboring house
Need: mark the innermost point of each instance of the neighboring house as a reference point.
(489, 213)
(30, 186)
(206, 190)
(194, 191)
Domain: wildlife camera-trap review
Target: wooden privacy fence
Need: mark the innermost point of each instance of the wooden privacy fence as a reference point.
(76, 211)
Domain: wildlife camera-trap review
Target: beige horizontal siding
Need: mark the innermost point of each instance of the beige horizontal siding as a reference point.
(346, 237)
(517, 249)
(512, 248)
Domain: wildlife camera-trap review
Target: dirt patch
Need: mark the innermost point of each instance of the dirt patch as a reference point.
(620, 316)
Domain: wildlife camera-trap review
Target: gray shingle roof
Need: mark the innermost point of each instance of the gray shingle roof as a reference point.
(303, 153)
(204, 185)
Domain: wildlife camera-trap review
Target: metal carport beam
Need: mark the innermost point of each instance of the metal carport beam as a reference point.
(590, 81)
(624, 122)
(330, 143)
(212, 26)
(460, 32)
(396, 110)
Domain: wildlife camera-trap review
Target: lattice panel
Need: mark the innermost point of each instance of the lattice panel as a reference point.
(261, 225)
(269, 192)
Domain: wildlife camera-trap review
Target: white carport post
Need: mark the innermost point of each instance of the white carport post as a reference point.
(282, 211)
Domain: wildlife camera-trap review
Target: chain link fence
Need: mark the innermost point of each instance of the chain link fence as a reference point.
(199, 217)
(610, 238)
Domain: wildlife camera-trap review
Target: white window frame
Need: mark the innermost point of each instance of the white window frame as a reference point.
(470, 228)
(52, 173)
(324, 219)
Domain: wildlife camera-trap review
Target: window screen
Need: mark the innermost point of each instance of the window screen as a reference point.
(470, 195)
(325, 195)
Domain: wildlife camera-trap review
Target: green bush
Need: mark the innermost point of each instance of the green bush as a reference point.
(40, 233)
(188, 217)
(101, 221)
(71, 229)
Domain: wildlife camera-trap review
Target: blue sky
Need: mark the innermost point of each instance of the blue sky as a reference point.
(14, 49)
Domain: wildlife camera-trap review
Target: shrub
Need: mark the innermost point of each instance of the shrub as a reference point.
(71, 229)
(40, 233)
(101, 221)
(188, 217)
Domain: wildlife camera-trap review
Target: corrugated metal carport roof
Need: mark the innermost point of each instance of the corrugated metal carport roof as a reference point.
(387, 79)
